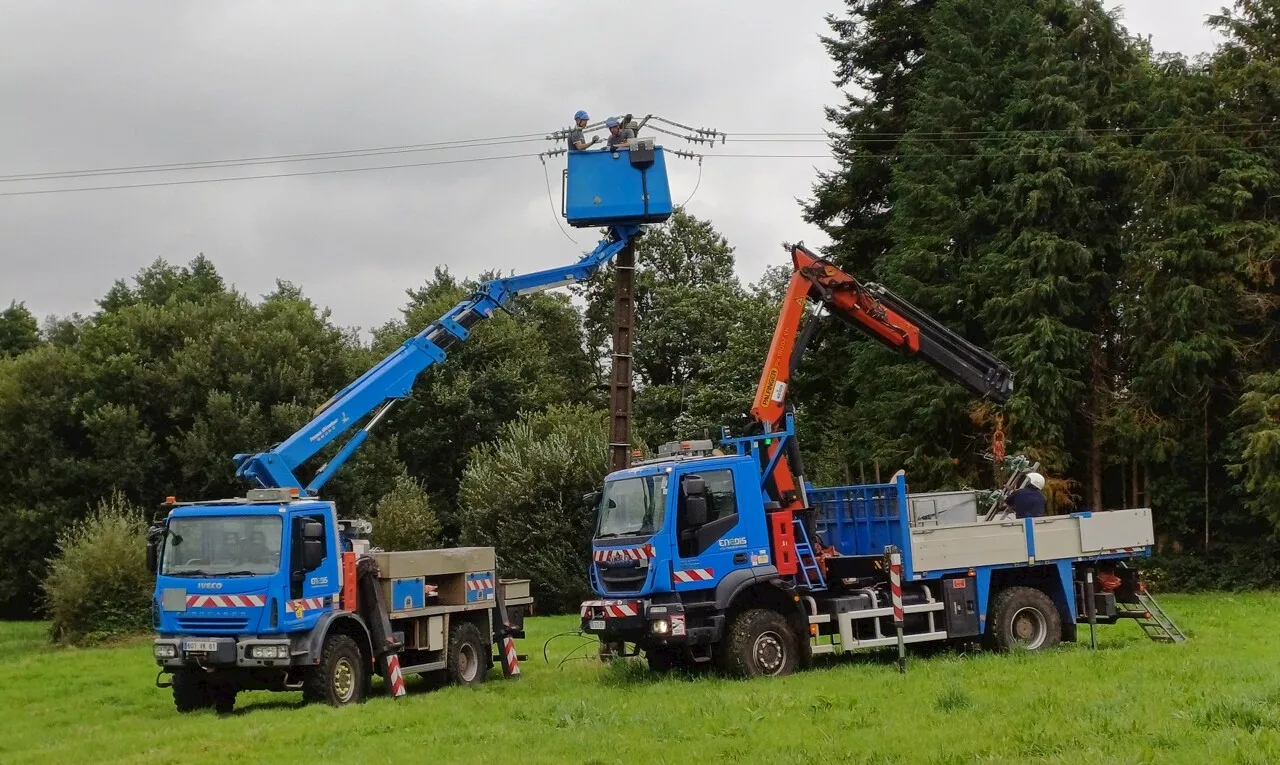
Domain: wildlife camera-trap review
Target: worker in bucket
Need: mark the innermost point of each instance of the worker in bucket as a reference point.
(578, 139)
(1028, 502)
(619, 136)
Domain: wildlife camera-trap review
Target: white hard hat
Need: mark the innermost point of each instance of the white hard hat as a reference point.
(1036, 480)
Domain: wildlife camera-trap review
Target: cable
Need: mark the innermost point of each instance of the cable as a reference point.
(272, 175)
(691, 193)
(745, 137)
(1191, 157)
(551, 202)
(278, 159)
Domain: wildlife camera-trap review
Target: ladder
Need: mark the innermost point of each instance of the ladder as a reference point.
(1151, 617)
(810, 573)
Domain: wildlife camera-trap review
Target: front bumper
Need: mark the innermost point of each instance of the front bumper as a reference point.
(635, 621)
(249, 652)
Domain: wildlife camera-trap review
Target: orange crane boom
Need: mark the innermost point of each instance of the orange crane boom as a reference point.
(879, 313)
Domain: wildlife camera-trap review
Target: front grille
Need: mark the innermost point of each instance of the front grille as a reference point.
(614, 580)
(213, 623)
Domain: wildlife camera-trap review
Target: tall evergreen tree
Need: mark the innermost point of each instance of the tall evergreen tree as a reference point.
(1009, 203)
(877, 47)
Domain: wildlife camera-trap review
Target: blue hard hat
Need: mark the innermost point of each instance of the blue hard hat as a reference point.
(611, 122)
(581, 115)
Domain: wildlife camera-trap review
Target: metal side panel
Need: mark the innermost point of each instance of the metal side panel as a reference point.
(1116, 530)
(1056, 537)
(968, 545)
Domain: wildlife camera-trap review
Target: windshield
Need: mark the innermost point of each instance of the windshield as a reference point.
(244, 545)
(632, 506)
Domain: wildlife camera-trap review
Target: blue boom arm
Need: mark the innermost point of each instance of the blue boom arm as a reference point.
(393, 377)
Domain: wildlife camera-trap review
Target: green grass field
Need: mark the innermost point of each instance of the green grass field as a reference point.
(1215, 699)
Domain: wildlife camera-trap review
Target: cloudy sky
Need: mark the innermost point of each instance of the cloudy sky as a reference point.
(145, 82)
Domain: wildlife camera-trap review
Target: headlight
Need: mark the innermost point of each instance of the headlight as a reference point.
(661, 627)
(269, 652)
(166, 650)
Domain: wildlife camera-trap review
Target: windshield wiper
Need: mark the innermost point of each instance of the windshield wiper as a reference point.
(189, 572)
(239, 573)
(607, 536)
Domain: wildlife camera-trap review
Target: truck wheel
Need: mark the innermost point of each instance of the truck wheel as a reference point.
(341, 677)
(224, 698)
(467, 655)
(1024, 618)
(191, 691)
(759, 643)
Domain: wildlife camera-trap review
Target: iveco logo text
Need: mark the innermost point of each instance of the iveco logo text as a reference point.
(318, 581)
(734, 542)
(209, 585)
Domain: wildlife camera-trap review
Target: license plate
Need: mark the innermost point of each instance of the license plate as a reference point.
(595, 624)
(207, 646)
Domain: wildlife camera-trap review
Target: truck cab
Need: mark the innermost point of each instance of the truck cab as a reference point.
(678, 525)
(262, 569)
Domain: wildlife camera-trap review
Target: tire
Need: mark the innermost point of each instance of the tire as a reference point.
(224, 698)
(468, 656)
(759, 643)
(341, 677)
(191, 691)
(1025, 619)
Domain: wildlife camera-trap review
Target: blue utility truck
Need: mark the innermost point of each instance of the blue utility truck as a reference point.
(702, 557)
(274, 591)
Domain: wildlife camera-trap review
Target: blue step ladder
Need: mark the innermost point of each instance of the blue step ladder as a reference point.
(810, 573)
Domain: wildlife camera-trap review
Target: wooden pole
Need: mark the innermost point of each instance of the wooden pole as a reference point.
(624, 303)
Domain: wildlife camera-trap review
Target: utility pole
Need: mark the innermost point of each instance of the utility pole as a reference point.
(624, 307)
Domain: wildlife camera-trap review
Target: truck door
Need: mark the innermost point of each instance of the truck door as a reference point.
(709, 536)
(311, 582)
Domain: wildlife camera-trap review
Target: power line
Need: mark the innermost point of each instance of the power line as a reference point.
(276, 159)
(745, 137)
(193, 181)
(270, 175)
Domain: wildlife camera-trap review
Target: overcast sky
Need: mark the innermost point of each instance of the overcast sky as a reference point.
(131, 82)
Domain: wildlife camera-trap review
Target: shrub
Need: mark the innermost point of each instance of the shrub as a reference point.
(522, 494)
(404, 519)
(98, 585)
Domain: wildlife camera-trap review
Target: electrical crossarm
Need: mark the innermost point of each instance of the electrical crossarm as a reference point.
(393, 377)
(879, 313)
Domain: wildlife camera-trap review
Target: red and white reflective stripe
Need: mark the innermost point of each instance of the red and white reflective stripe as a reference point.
(695, 575)
(1127, 549)
(509, 657)
(613, 608)
(644, 552)
(397, 680)
(480, 584)
(226, 601)
(306, 604)
(895, 585)
(622, 609)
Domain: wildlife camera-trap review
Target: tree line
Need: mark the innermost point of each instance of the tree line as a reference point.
(1103, 217)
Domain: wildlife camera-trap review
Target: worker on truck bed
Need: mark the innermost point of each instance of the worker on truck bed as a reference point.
(1028, 502)
(578, 139)
(618, 135)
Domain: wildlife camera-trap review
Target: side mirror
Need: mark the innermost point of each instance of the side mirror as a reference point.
(154, 535)
(592, 500)
(312, 545)
(695, 510)
(694, 497)
(312, 554)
